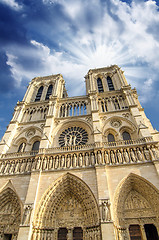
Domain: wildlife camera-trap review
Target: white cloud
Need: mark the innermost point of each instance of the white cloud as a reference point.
(121, 35)
(147, 91)
(12, 3)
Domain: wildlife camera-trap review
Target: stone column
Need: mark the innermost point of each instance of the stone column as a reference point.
(70, 234)
(142, 229)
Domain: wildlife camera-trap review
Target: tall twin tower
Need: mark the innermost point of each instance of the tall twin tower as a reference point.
(80, 168)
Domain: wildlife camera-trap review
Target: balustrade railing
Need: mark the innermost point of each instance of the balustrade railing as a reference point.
(73, 148)
(72, 108)
(81, 159)
(112, 103)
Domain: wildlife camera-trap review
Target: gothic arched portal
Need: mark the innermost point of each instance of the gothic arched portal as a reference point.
(10, 214)
(134, 207)
(68, 205)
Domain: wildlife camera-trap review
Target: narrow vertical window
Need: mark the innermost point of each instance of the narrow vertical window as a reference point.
(126, 136)
(21, 147)
(49, 92)
(35, 146)
(38, 96)
(100, 85)
(110, 84)
(111, 138)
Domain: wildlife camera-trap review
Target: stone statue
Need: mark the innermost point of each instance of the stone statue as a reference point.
(70, 141)
(132, 154)
(2, 167)
(74, 160)
(112, 157)
(105, 210)
(11, 171)
(56, 164)
(74, 140)
(147, 154)
(6, 170)
(92, 159)
(106, 157)
(23, 165)
(126, 156)
(44, 163)
(65, 140)
(68, 161)
(87, 159)
(28, 166)
(154, 153)
(38, 164)
(139, 154)
(62, 161)
(120, 160)
(99, 155)
(80, 160)
(27, 215)
(17, 168)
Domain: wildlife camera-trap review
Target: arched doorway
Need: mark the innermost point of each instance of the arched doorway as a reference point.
(68, 211)
(136, 208)
(10, 214)
(151, 232)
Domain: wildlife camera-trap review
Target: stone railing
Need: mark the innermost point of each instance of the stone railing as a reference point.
(73, 107)
(106, 145)
(81, 159)
(112, 103)
(19, 154)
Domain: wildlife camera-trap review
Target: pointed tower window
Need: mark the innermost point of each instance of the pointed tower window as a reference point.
(38, 96)
(110, 84)
(100, 85)
(49, 92)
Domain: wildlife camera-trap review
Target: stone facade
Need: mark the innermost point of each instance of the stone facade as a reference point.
(81, 167)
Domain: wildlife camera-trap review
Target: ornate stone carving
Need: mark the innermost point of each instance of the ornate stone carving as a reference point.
(30, 133)
(115, 123)
(134, 201)
(27, 214)
(105, 210)
(126, 115)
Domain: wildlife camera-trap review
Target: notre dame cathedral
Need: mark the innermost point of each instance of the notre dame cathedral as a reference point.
(80, 168)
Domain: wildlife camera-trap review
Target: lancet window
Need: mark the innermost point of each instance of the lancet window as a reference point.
(22, 147)
(110, 84)
(100, 85)
(49, 92)
(39, 93)
(126, 136)
(111, 138)
(35, 146)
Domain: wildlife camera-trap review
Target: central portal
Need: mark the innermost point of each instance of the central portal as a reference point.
(68, 211)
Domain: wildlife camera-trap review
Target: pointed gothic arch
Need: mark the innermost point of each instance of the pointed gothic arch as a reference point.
(134, 206)
(69, 203)
(10, 211)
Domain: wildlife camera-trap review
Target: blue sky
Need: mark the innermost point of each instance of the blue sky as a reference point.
(43, 37)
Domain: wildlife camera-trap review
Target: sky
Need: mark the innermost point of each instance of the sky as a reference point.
(44, 37)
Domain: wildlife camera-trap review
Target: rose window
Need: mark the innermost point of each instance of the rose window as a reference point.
(73, 136)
